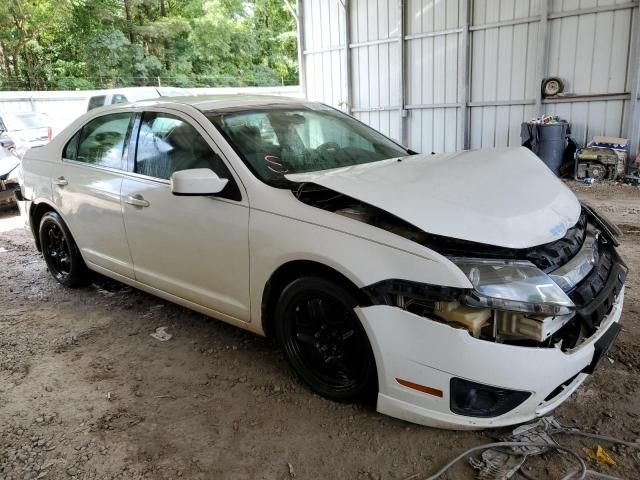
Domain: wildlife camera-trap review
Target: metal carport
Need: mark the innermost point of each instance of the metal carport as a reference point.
(443, 75)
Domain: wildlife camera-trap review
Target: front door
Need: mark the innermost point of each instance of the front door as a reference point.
(193, 247)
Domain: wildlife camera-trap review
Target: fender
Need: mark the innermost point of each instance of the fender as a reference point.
(276, 240)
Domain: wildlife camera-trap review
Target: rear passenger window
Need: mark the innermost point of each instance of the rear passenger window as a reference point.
(102, 141)
(70, 151)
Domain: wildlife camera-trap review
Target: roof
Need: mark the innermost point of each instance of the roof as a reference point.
(217, 102)
(131, 90)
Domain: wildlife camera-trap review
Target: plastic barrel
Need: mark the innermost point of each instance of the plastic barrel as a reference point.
(551, 142)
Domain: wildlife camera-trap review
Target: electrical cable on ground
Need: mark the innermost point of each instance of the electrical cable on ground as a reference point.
(582, 471)
(579, 474)
(575, 431)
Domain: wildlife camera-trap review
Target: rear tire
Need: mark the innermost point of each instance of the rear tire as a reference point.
(323, 339)
(60, 251)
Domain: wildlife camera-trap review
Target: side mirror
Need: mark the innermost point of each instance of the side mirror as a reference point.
(197, 181)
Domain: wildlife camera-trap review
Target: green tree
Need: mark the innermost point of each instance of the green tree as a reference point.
(63, 44)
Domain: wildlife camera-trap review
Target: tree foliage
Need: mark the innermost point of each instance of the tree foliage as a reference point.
(83, 44)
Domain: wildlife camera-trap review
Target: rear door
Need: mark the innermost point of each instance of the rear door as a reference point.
(193, 247)
(87, 190)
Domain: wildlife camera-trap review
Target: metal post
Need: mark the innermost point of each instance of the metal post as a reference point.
(402, 134)
(348, 101)
(464, 69)
(633, 123)
(298, 14)
(543, 53)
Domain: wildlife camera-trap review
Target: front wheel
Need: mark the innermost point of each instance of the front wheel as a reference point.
(60, 251)
(323, 339)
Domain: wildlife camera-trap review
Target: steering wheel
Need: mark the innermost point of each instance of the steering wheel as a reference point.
(327, 147)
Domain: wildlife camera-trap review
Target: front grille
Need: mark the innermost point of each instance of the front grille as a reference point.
(550, 256)
(596, 294)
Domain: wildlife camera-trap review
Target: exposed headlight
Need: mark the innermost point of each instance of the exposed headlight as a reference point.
(499, 308)
(513, 285)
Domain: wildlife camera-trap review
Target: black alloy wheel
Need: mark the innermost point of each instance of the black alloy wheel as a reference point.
(323, 339)
(60, 251)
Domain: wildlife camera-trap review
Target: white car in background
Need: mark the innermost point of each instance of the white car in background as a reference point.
(26, 129)
(9, 169)
(467, 290)
(131, 95)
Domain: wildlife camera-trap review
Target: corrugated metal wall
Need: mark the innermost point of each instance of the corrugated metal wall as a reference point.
(472, 69)
(433, 52)
(375, 48)
(503, 79)
(591, 53)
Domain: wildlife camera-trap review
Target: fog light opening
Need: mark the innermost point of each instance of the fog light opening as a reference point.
(478, 400)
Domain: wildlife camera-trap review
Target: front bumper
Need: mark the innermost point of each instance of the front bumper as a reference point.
(417, 350)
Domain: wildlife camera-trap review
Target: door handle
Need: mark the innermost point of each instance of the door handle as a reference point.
(137, 200)
(60, 181)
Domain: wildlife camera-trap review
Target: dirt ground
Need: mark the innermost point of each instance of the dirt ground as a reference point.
(87, 393)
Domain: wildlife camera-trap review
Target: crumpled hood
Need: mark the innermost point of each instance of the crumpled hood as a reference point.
(505, 197)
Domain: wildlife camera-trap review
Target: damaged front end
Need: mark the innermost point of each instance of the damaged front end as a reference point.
(549, 296)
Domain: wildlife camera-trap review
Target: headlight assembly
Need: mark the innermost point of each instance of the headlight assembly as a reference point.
(513, 285)
(510, 301)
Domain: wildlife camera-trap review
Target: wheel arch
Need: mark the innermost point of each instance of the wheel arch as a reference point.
(290, 271)
(36, 212)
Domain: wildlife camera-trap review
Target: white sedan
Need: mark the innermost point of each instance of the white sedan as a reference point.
(466, 290)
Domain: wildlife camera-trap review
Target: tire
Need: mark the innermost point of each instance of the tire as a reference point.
(60, 251)
(323, 339)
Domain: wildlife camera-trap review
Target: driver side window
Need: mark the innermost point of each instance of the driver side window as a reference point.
(166, 144)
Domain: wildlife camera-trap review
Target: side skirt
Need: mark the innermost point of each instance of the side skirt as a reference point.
(177, 300)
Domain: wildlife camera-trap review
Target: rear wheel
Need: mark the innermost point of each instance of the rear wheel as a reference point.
(323, 339)
(60, 251)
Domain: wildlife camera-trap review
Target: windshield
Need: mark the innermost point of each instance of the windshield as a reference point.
(279, 140)
(25, 121)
